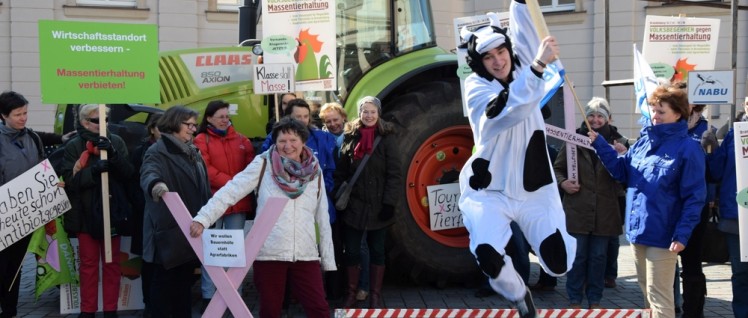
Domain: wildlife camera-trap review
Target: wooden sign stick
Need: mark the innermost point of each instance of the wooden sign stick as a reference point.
(105, 189)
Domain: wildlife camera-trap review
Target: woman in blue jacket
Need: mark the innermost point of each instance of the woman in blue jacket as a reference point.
(664, 171)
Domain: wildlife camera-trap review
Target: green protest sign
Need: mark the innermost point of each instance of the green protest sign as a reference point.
(92, 62)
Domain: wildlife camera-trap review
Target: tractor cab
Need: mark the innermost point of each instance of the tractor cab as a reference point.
(372, 32)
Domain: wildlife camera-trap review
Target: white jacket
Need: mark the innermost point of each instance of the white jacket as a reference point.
(293, 238)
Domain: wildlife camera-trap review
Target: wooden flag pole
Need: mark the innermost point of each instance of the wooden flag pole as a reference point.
(105, 188)
(542, 30)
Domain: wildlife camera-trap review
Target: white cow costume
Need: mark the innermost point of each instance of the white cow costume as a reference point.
(509, 177)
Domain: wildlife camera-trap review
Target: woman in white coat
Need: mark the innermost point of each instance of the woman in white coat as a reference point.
(291, 251)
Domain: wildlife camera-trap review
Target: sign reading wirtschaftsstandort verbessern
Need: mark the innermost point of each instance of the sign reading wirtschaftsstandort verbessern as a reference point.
(92, 62)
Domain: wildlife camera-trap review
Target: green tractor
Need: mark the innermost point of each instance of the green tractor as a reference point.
(387, 49)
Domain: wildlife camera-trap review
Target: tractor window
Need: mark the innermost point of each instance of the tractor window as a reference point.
(414, 25)
(364, 38)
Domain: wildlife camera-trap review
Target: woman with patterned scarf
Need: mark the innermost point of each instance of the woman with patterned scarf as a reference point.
(81, 170)
(292, 250)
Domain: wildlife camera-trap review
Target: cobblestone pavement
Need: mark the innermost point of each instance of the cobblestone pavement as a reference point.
(403, 295)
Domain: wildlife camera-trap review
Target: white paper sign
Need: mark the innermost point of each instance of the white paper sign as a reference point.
(224, 248)
(29, 201)
(443, 208)
(711, 87)
(273, 78)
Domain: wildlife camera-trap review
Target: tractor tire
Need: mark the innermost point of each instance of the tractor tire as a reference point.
(435, 141)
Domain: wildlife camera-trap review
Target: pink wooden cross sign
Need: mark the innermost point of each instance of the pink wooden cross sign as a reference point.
(227, 282)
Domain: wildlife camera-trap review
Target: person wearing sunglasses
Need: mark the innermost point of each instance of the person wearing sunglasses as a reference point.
(82, 167)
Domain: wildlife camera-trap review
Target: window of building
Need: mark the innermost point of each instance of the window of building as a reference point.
(557, 5)
(108, 3)
(229, 5)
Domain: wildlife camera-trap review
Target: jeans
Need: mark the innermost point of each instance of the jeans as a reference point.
(611, 264)
(228, 222)
(588, 269)
(520, 252)
(363, 278)
(739, 277)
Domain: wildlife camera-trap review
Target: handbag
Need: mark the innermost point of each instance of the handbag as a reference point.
(714, 246)
(344, 191)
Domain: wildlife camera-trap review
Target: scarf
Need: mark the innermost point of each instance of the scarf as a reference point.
(292, 176)
(366, 142)
(219, 132)
(88, 137)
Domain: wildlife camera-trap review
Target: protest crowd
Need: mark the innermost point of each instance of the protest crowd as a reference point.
(327, 249)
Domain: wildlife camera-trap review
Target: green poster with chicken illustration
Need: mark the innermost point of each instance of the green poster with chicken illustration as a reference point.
(307, 40)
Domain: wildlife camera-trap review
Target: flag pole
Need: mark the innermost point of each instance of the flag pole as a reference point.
(542, 30)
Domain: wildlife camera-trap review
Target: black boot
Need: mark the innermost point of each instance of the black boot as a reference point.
(376, 276)
(526, 307)
(694, 294)
(352, 272)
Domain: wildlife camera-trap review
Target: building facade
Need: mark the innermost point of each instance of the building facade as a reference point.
(595, 39)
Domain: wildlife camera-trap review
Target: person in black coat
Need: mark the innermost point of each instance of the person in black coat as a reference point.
(374, 194)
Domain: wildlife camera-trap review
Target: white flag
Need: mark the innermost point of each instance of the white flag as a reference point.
(645, 83)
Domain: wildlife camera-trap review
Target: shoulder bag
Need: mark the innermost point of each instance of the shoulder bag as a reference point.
(344, 191)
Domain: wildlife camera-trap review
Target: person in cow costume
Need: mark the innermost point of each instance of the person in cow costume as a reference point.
(509, 176)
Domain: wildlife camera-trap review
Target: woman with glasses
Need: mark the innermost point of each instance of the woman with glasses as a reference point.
(173, 164)
(81, 170)
(226, 152)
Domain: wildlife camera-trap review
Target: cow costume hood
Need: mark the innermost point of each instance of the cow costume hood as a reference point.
(484, 39)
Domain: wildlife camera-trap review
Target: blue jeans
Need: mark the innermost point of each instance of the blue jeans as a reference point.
(739, 277)
(227, 222)
(521, 259)
(588, 268)
(611, 265)
(363, 278)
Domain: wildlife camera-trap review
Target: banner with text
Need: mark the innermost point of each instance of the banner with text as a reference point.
(305, 39)
(30, 201)
(676, 45)
(93, 62)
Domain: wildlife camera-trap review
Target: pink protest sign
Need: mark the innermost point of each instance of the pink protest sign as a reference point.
(227, 282)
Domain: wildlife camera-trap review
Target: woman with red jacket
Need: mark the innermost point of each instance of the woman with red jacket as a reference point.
(226, 153)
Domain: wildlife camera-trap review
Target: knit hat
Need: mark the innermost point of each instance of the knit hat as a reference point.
(598, 105)
(369, 99)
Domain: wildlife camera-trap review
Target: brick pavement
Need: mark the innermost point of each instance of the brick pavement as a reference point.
(404, 295)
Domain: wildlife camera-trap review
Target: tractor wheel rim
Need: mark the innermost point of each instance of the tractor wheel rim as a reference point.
(441, 155)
